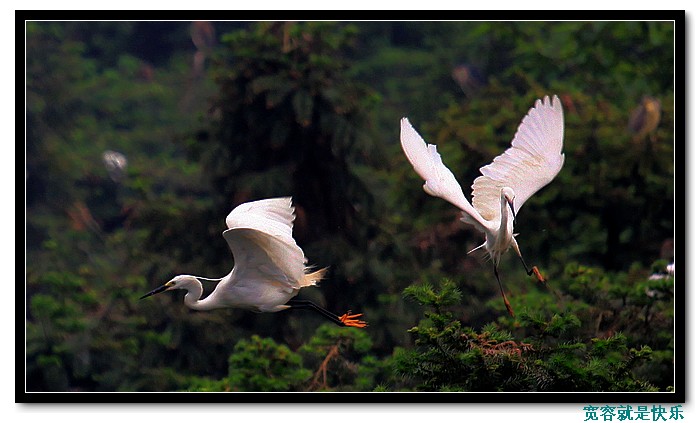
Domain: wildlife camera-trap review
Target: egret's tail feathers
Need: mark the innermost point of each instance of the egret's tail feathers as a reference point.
(314, 277)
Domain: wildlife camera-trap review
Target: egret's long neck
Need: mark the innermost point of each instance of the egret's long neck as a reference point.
(194, 293)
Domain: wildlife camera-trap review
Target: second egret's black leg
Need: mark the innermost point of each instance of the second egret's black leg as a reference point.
(530, 270)
(503, 294)
(344, 320)
(534, 270)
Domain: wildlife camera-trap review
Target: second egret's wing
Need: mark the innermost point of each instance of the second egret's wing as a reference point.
(260, 238)
(439, 180)
(533, 160)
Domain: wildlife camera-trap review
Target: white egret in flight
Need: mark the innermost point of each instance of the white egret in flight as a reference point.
(269, 270)
(533, 160)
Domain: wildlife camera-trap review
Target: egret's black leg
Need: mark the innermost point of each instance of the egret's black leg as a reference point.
(344, 320)
(503, 294)
(530, 270)
(537, 273)
(308, 305)
(527, 269)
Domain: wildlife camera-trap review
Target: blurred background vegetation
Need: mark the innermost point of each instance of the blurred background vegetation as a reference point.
(142, 136)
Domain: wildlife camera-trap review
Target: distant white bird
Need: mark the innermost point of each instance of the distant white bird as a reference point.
(269, 270)
(115, 163)
(533, 160)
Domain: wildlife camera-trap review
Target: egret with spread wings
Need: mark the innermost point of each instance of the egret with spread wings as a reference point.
(269, 270)
(533, 160)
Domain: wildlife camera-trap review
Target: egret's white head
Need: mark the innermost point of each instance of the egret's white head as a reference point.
(508, 194)
(178, 282)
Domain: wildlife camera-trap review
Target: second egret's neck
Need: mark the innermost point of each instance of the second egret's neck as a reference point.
(507, 217)
(194, 293)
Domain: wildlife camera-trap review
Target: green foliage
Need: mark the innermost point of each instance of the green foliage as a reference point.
(336, 353)
(425, 294)
(263, 365)
(451, 357)
(259, 365)
(285, 104)
(338, 357)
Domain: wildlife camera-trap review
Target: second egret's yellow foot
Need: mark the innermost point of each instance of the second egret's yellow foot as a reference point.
(539, 276)
(351, 320)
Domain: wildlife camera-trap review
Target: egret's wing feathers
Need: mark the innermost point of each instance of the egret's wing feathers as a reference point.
(533, 160)
(264, 258)
(439, 180)
(276, 213)
(260, 238)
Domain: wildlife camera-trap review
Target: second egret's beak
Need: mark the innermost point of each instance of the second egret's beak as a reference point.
(512, 208)
(156, 291)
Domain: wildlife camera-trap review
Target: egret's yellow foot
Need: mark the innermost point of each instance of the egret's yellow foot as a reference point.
(351, 320)
(537, 273)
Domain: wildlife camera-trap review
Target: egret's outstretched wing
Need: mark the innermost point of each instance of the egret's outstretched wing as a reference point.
(439, 180)
(533, 160)
(260, 238)
(276, 213)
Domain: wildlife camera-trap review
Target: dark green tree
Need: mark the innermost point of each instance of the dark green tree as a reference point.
(451, 357)
(290, 124)
(259, 365)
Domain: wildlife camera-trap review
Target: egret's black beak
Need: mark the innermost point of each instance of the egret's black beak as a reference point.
(510, 204)
(155, 291)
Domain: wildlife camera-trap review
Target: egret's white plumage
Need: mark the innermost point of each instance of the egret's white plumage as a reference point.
(260, 238)
(270, 268)
(533, 160)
